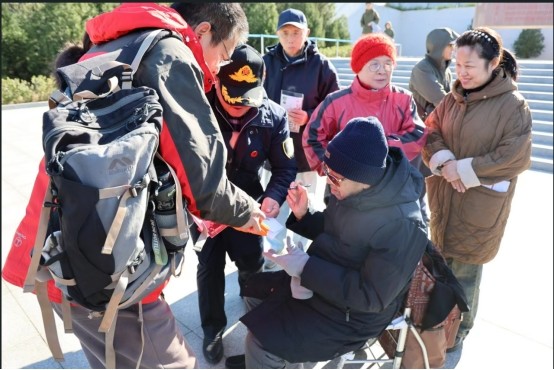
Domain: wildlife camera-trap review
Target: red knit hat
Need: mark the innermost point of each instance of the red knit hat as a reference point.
(371, 46)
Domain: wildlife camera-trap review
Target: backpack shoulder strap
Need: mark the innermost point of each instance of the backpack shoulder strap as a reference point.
(126, 51)
(40, 237)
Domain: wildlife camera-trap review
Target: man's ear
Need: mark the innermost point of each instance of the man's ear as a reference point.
(307, 32)
(202, 29)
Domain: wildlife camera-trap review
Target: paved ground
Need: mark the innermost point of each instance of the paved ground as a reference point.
(513, 328)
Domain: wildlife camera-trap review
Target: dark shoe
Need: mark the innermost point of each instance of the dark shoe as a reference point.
(235, 362)
(457, 345)
(213, 349)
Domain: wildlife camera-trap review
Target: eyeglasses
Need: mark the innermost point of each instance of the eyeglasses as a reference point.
(375, 67)
(335, 180)
(224, 62)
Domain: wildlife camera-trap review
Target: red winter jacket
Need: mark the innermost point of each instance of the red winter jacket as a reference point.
(392, 105)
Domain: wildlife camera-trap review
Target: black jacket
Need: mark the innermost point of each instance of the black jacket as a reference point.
(312, 75)
(365, 249)
(263, 137)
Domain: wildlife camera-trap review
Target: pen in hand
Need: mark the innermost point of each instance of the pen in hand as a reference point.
(296, 186)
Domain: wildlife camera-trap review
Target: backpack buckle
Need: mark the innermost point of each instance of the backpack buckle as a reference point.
(138, 187)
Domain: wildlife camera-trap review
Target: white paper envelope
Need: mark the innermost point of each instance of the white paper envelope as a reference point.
(274, 227)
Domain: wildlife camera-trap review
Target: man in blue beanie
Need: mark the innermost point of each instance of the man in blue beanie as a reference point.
(350, 283)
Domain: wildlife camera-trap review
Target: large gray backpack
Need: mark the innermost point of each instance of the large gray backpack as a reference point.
(114, 225)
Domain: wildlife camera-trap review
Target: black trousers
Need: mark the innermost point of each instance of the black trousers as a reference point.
(245, 250)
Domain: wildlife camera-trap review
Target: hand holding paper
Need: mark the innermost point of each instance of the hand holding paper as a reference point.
(291, 100)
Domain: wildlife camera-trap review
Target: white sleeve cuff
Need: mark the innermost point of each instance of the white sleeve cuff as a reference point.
(467, 174)
(439, 158)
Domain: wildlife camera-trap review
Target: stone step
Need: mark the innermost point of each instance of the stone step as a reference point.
(528, 78)
(542, 126)
(535, 64)
(539, 104)
(542, 164)
(536, 95)
(542, 151)
(542, 138)
(542, 115)
(530, 86)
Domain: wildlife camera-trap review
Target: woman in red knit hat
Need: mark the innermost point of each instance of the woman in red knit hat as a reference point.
(370, 94)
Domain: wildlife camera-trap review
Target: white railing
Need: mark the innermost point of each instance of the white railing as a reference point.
(262, 37)
(336, 41)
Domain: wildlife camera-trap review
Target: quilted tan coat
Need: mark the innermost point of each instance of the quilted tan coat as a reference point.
(489, 133)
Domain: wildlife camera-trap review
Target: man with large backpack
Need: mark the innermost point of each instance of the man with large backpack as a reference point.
(180, 70)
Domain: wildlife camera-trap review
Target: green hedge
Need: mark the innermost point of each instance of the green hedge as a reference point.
(16, 91)
(331, 51)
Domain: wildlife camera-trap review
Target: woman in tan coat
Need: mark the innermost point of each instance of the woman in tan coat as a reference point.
(479, 142)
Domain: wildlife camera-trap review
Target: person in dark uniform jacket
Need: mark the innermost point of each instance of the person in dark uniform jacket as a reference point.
(353, 278)
(296, 67)
(254, 129)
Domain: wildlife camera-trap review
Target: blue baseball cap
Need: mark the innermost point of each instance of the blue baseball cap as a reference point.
(293, 17)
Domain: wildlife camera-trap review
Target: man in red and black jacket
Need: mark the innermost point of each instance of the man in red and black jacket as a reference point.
(180, 72)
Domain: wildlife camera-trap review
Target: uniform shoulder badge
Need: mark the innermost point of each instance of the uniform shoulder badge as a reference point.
(288, 148)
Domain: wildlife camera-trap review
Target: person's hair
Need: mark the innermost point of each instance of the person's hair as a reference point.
(488, 45)
(227, 19)
(71, 54)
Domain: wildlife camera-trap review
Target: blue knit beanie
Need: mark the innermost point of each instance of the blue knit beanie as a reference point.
(359, 151)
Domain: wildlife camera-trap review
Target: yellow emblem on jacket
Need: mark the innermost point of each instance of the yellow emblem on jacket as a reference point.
(244, 74)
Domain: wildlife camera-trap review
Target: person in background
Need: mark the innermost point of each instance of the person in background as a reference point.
(254, 129)
(389, 31)
(431, 77)
(430, 81)
(295, 66)
(180, 72)
(369, 18)
(370, 94)
(331, 299)
(479, 142)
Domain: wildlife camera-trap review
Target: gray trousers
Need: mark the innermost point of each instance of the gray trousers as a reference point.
(256, 356)
(164, 344)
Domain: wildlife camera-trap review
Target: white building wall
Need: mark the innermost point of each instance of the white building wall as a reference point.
(412, 26)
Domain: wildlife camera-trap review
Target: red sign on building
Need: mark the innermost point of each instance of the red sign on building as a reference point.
(513, 15)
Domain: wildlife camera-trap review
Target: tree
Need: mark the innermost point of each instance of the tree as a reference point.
(262, 20)
(34, 33)
(529, 44)
(15, 37)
